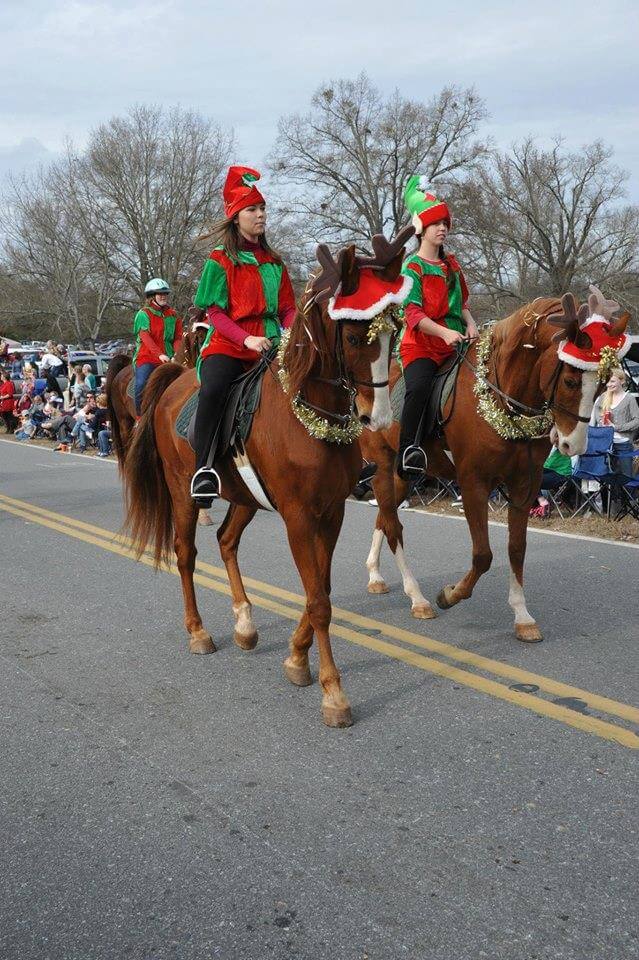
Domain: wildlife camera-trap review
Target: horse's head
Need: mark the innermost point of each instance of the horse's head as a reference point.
(195, 330)
(590, 341)
(364, 295)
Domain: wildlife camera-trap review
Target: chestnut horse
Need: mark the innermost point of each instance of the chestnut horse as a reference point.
(524, 365)
(306, 479)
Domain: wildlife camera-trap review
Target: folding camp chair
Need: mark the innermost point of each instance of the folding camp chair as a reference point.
(623, 489)
(593, 466)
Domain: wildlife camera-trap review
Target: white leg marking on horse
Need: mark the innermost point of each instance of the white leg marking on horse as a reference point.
(372, 561)
(381, 414)
(517, 601)
(411, 587)
(243, 613)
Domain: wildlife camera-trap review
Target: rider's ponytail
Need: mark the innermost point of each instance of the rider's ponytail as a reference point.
(450, 272)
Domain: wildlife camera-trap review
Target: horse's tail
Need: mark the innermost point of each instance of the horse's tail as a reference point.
(149, 516)
(118, 363)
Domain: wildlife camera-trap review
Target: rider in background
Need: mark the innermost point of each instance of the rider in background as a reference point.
(158, 330)
(436, 317)
(248, 297)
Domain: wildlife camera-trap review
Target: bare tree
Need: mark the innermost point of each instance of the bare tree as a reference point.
(342, 167)
(145, 187)
(537, 221)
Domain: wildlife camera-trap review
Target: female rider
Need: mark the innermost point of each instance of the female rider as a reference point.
(436, 317)
(247, 294)
(158, 330)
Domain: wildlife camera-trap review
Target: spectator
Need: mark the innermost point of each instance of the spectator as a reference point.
(89, 377)
(16, 367)
(104, 440)
(557, 469)
(82, 431)
(7, 402)
(80, 388)
(52, 364)
(617, 408)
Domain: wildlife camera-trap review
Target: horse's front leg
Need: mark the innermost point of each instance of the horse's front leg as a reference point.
(228, 536)
(312, 545)
(184, 521)
(525, 627)
(475, 498)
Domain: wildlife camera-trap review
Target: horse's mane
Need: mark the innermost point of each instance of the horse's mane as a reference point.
(309, 350)
(527, 325)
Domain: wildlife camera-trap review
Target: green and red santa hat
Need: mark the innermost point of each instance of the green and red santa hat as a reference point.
(423, 204)
(240, 190)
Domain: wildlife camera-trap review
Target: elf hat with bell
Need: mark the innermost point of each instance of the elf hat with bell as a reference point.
(422, 203)
(240, 190)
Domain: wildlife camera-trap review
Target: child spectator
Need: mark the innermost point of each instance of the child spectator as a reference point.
(7, 402)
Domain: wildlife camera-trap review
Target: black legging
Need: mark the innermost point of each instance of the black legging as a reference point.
(216, 375)
(418, 377)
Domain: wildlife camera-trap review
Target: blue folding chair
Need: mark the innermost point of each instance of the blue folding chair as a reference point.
(624, 487)
(594, 465)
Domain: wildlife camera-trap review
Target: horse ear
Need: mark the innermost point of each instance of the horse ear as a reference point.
(619, 324)
(392, 270)
(350, 272)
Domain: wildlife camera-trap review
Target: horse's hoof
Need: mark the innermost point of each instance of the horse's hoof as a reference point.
(300, 676)
(423, 611)
(245, 641)
(336, 716)
(202, 644)
(377, 586)
(528, 632)
(204, 519)
(442, 599)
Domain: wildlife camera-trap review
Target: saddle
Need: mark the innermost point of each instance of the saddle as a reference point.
(444, 384)
(237, 419)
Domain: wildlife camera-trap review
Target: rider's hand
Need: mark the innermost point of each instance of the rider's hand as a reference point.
(452, 337)
(163, 358)
(471, 331)
(258, 344)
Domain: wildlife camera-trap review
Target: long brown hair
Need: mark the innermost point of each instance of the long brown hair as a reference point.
(226, 233)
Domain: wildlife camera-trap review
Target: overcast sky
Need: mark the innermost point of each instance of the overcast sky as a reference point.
(547, 68)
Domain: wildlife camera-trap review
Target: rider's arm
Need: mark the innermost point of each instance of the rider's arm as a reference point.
(226, 327)
(177, 340)
(149, 343)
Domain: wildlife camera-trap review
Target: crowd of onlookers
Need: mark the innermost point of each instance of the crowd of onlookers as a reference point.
(33, 405)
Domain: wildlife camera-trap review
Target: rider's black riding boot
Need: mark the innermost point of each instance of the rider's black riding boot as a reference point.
(216, 373)
(411, 458)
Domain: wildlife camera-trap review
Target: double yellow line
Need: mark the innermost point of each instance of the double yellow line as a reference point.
(398, 642)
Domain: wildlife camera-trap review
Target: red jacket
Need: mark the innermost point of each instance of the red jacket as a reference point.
(6, 396)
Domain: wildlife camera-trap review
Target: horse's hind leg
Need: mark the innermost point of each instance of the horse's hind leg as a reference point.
(525, 627)
(185, 520)
(475, 497)
(312, 548)
(228, 536)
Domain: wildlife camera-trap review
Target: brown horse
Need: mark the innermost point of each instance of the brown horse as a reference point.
(523, 363)
(306, 479)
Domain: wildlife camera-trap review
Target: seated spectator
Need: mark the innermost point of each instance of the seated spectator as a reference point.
(25, 431)
(7, 402)
(557, 469)
(617, 408)
(82, 432)
(53, 411)
(61, 426)
(104, 441)
(37, 415)
(80, 388)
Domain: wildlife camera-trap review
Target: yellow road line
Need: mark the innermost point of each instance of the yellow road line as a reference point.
(579, 721)
(555, 687)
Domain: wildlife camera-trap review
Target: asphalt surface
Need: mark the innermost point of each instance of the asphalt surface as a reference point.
(155, 804)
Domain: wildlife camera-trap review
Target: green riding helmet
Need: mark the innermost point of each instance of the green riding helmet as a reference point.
(157, 285)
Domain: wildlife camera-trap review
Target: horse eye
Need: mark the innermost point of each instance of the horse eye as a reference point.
(571, 383)
(352, 339)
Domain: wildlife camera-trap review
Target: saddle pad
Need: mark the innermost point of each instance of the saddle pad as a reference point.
(185, 415)
(130, 390)
(443, 386)
(236, 419)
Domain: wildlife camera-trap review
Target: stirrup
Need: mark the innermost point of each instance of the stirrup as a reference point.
(414, 460)
(205, 486)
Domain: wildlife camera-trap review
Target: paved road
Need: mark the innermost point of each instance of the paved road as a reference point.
(159, 805)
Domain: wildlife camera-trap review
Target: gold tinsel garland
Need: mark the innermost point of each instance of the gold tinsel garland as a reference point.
(316, 426)
(509, 426)
(385, 322)
(608, 360)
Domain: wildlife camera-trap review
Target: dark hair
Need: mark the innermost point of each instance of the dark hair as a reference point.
(226, 233)
(450, 273)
